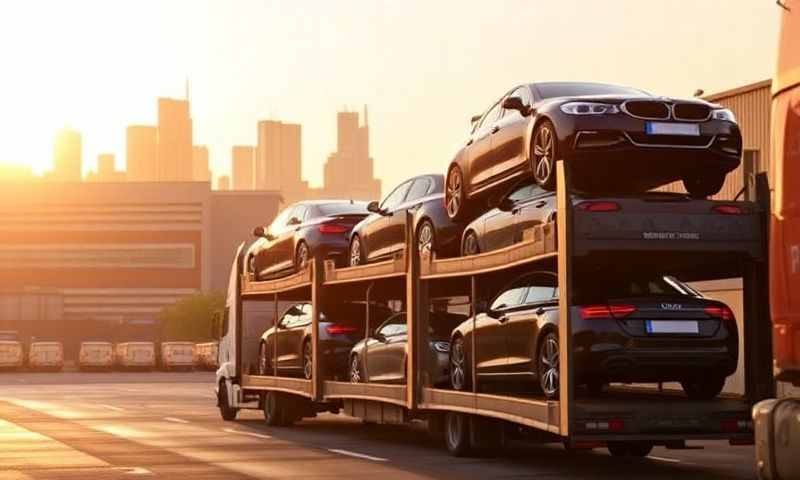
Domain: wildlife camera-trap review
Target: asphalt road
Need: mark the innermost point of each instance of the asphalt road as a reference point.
(146, 425)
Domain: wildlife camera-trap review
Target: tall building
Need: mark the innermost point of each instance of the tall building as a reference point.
(67, 152)
(141, 153)
(349, 170)
(223, 183)
(106, 171)
(243, 167)
(174, 140)
(200, 172)
(278, 159)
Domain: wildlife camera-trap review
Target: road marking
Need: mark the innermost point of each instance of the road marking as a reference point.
(133, 470)
(664, 459)
(358, 455)
(176, 420)
(250, 434)
(112, 407)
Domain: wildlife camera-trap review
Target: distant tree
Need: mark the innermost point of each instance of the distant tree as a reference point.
(189, 319)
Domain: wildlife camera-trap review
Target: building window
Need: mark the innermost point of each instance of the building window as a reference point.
(134, 255)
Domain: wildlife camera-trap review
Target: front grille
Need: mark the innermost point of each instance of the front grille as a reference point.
(647, 109)
(693, 112)
(670, 140)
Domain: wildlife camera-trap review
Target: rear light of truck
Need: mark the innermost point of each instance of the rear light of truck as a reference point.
(340, 329)
(723, 313)
(727, 210)
(735, 426)
(599, 206)
(594, 312)
(327, 228)
(615, 425)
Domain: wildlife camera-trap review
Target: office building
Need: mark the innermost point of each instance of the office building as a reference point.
(141, 153)
(223, 183)
(106, 170)
(278, 159)
(243, 164)
(174, 141)
(67, 156)
(349, 171)
(200, 172)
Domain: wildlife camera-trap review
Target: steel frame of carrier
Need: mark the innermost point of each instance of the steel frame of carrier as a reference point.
(656, 418)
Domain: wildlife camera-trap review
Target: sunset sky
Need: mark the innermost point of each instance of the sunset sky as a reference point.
(423, 67)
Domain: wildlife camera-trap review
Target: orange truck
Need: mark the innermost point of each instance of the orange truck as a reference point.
(777, 421)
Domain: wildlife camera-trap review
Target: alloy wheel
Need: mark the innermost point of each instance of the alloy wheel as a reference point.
(355, 252)
(457, 370)
(548, 365)
(455, 192)
(425, 239)
(355, 370)
(302, 256)
(471, 245)
(307, 361)
(543, 150)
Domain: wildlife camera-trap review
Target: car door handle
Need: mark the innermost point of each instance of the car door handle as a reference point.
(540, 311)
(540, 203)
(415, 207)
(495, 129)
(469, 142)
(503, 319)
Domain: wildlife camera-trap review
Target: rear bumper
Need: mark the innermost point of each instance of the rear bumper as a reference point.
(653, 365)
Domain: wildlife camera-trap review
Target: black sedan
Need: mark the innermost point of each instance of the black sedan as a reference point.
(382, 234)
(645, 328)
(383, 357)
(339, 330)
(301, 231)
(623, 139)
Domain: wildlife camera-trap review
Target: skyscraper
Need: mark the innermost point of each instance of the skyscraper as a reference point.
(106, 170)
(243, 167)
(141, 153)
(349, 170)
(67, 152)
(278, 159)
(174, 140)
(200, 172)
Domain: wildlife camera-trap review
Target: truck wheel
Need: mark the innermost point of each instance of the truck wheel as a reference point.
(457, 435)
(273, 414)
(703, 389)
(630, 449)
(227, 412)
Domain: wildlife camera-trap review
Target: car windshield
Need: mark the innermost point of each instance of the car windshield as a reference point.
(331, 209)
(622, 287)
(575, 89)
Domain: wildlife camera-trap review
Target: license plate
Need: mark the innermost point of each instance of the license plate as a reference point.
(664, 128)
(672, 326)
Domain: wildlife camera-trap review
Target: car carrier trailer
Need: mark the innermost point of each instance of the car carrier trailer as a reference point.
(627, 420)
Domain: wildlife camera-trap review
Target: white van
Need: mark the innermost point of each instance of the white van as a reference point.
(135, 355)
(96, 355)
(10, 354)
(177, 355)
(46, 356)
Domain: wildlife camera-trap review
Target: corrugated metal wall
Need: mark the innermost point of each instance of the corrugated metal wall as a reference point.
(751, 105)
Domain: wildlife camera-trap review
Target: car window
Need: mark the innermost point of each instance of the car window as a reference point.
(395, 325)
(509, 298)
(291, 316)
(626, 286)
(279, 223)
(396, 197)
(419, 189)
(542, 287)
(522, 192)
(491, 116)
(298, 212)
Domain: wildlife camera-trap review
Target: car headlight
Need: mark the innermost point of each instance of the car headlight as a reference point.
(723, 114)
(589, 108)
(441, 347)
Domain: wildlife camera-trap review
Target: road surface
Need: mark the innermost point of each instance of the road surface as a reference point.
(166, 425)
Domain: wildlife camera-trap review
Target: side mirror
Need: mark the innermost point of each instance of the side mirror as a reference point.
(374, 207)
(295, 221)
(505, 205)
(475, 118)
(259, 232)
(515, 103)
(380, 337)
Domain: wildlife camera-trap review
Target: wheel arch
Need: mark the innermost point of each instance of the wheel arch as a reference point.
(540, 117)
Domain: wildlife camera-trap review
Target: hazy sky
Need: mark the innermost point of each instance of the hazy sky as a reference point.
(423, 67)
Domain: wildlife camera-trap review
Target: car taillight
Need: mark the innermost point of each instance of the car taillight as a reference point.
(592, 312)
(727, 210)
(599, 206)
(332, 228)
(339, 329)
(723, 313)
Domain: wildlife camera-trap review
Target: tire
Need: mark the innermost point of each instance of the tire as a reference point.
(704, 388)
(308, 360)
(543, 155)
(455, 196)
(356, 252)
(301, 256)
(273, 411)
(264, 363)
(355, 374)
(547, 365)
(460, 372)
(470, 245)
(630, 449)
(426, 238)
(457, 434)
(227, 412)
(702, 186)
